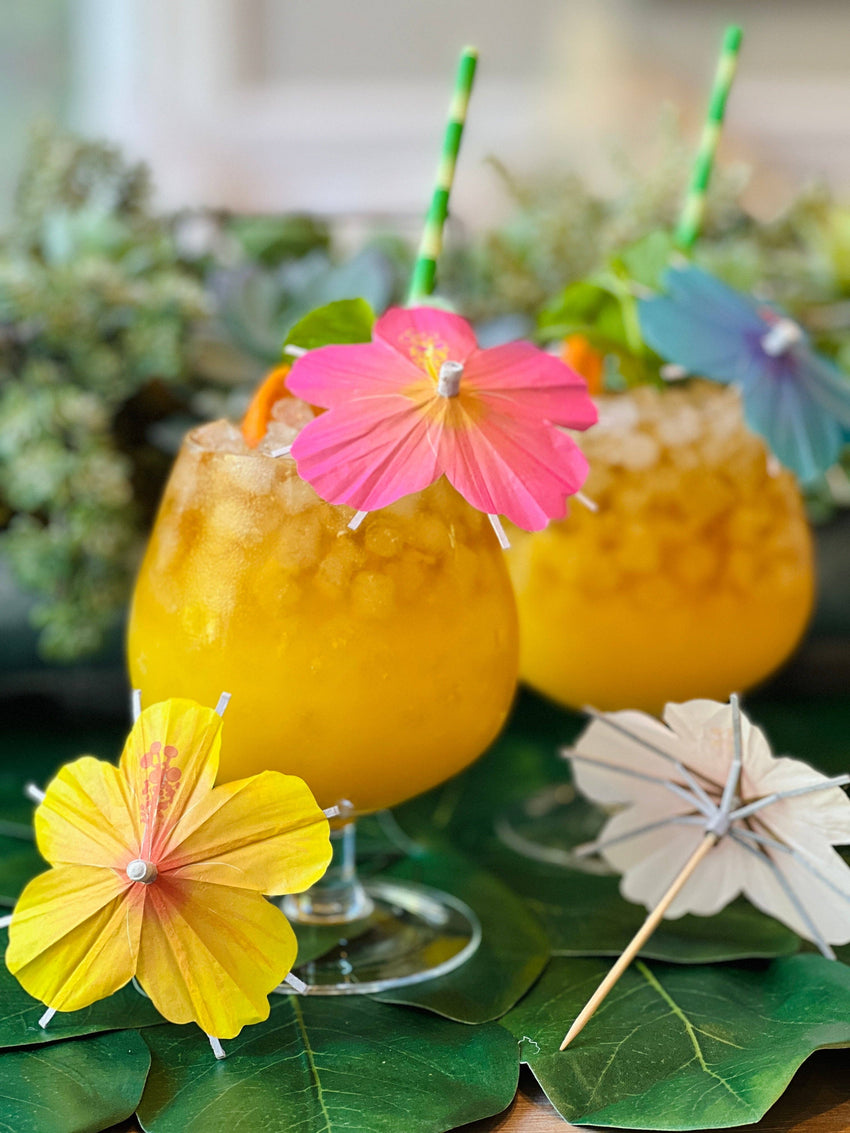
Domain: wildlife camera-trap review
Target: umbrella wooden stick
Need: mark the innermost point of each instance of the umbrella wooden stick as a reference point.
(639, 939)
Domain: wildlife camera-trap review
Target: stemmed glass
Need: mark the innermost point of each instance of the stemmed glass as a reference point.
(694, 579)
(372, 663)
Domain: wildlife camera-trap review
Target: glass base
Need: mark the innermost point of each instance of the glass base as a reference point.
(549, 826)
(409, 934)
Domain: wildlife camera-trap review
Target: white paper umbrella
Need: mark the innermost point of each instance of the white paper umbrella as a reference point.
(708, 813)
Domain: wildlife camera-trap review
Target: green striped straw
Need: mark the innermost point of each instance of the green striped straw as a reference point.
(693, 211)
(425, 268)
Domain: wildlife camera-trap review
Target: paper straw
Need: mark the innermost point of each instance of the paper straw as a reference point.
(425, 268)
(693, 211)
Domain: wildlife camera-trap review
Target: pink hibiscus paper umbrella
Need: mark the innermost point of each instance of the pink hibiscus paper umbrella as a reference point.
(707, 812)
(422, 400)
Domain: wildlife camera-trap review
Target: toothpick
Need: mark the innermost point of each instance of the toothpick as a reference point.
(356, 520)
(34, 792)
(218, 1049)
(586, 501)
(298, 986)
(223, 702)
(46, 1017)
(135, 704)
(639, 939)
(496, 524)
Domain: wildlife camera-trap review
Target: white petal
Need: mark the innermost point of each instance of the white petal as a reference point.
(806, 819)
(830, 912)
(624, 855)
(599, 740)
(706, 732)
(714, 883)
(649, 878)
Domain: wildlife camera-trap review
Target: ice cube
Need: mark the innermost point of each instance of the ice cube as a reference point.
(299, 541)
(382, 540)
(372, 594)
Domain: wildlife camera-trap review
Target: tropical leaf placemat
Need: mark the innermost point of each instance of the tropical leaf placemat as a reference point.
(705, 1031)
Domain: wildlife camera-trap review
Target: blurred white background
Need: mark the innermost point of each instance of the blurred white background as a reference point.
(339, 107)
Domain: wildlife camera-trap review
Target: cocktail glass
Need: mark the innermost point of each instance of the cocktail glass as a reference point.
(372, 663)
(694, 578)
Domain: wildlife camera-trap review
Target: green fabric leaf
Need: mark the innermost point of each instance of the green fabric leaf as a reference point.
(325, 1065)
(513, 951)
(680, 1048)
(19, 1013)
(19, 863)
(585, 915)
(344, 321)
(75, 1087)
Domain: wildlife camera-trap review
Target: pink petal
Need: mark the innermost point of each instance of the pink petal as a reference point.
(368, 453)
(512, 467)
(425, 336)
(334, 374)
(519, 379)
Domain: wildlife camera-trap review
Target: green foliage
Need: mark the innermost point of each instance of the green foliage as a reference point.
(259, 307)
(95, 315)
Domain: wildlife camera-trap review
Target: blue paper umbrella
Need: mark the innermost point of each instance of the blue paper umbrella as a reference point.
(794, 398)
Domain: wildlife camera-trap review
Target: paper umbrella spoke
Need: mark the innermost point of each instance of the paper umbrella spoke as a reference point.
(710, 814)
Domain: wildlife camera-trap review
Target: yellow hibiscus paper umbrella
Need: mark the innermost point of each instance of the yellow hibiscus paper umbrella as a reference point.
(158, 875)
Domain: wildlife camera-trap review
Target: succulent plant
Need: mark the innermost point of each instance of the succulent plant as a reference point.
(95, 315)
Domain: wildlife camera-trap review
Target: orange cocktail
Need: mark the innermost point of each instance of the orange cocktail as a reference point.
(695, 577)
(372, 663)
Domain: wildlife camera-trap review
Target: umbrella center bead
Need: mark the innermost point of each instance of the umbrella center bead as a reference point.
(781, 337)
(139, 870)
(448, 382)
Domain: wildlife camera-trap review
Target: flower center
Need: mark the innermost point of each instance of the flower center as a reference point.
(143, 871)
(448, 383)
(781, 336)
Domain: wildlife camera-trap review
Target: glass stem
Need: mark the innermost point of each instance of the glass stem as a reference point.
(337, 897)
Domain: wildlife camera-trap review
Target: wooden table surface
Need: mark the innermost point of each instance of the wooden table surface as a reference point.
(817, 1101)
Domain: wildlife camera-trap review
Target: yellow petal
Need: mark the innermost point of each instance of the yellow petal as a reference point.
(74, 935)
(88, 816)
(211, 954)
(265, 833)
(170, 760)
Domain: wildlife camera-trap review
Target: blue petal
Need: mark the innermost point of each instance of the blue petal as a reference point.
(804, 436)
(828, 385)
(714, 350)
(702, 325)
(716, 301)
